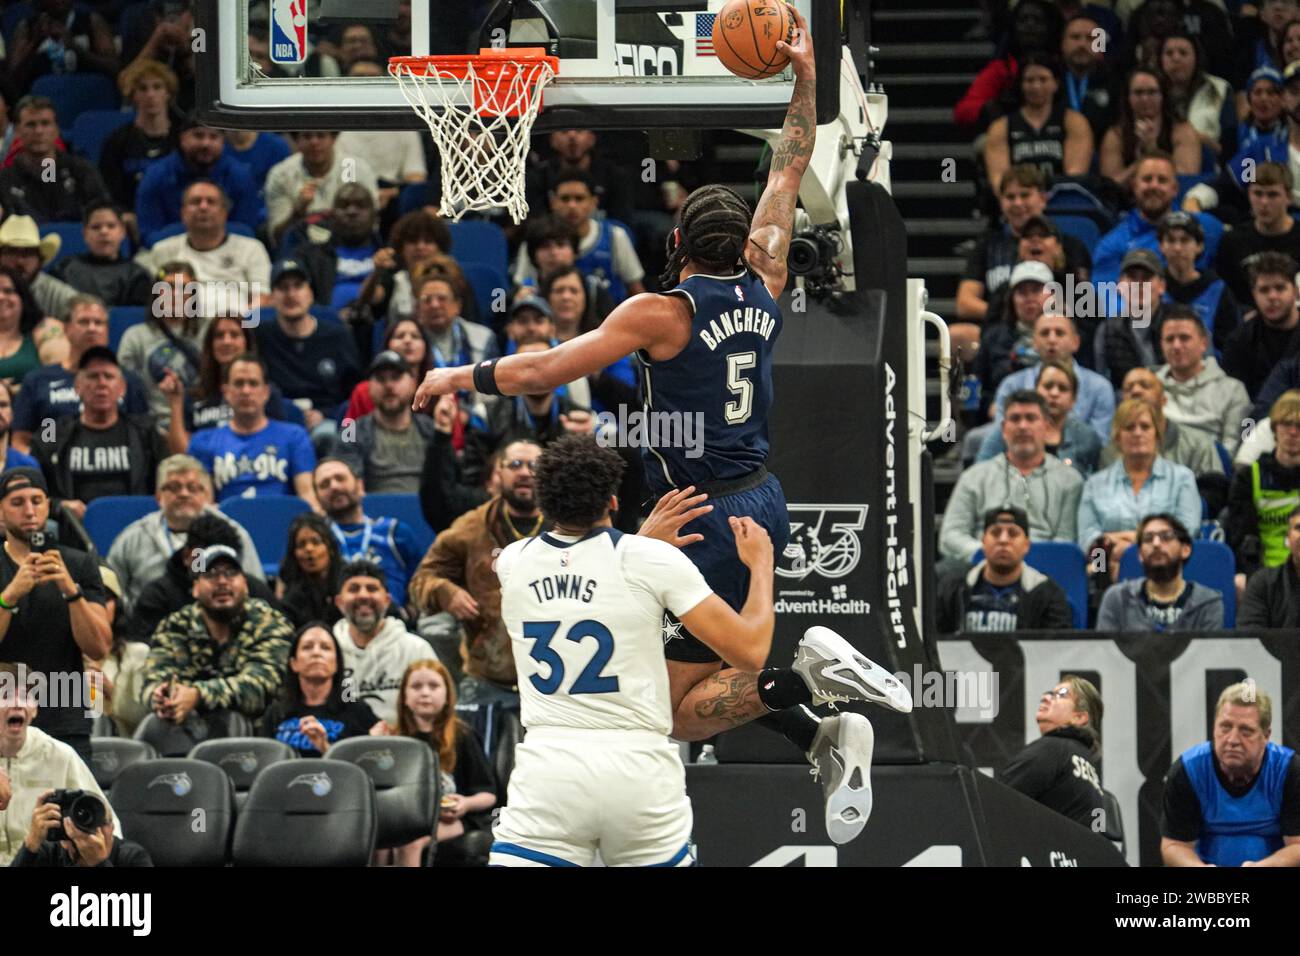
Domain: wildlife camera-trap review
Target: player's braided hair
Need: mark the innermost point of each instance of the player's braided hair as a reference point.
(714, 229)
(575, 477)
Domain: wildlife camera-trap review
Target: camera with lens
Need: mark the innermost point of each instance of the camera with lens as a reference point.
(812, 256)
(83, 808)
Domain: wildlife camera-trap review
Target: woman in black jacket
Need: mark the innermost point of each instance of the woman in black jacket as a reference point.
(1060, 768)
(309, 573)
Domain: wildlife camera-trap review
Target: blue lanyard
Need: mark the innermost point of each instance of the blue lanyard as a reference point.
(1077, 91)
(524, 416)
(459, 345)
(343, 541)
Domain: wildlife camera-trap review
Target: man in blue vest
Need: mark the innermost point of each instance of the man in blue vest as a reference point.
(1182, 242)
(1234, 800)
(604, 248)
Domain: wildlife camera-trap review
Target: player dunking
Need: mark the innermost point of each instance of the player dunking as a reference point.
(707, 350)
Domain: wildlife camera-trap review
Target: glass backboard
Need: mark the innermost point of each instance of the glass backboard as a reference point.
(624, 64)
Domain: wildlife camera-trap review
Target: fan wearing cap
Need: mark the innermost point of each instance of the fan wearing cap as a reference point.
(1008, 346)
(201, 156)
(1182, 241)
(387, 447)
(101, 451)
(531, 320)
(225, 651)
(1001, 593)
(1155, 187)
(207, 244)
(44, 182)
(1131, 339)
(315, 363)
(24, 250)
(51, 603)
(1266, 150)
(1260, 105)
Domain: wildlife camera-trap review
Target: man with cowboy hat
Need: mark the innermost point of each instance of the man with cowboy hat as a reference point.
(22, 247)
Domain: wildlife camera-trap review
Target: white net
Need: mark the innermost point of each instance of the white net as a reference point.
(480, 113)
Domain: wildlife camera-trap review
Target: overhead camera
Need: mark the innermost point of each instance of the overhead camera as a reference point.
(812, 256)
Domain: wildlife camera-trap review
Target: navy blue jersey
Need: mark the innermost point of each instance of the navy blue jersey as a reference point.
(722, 380)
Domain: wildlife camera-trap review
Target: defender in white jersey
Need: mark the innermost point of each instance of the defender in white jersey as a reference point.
(584, 605)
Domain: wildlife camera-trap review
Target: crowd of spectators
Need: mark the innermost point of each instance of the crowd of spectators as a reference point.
(1128, 326)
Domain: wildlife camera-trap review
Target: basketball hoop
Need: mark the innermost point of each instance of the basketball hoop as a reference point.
(480, 111)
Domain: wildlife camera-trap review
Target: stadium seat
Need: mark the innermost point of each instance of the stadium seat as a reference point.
(1212, 563)
(308, 813)
(403, 508)
(160, 803)
(242, 759)
(77, 93)
(93, 127)
(404, 772)
(14, 14)
(267, 520)
(103, 726)
(71, 241)
(109, 756)
(479, 241)
(415, 196)
(1082, 228)
(1114, 821)
(510, 734)
(326, 314)
(1064, 562)
(176, 228)
(121, 318)
(486, 280)
(177, 740)
(106, 517)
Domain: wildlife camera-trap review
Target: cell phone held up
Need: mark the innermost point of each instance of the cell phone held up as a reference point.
(41, 541)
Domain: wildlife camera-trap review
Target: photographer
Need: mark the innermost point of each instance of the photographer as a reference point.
(94, 847)
(34, 762)
(51, 604)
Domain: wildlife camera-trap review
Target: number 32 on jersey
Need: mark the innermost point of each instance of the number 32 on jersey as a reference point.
(590, 680)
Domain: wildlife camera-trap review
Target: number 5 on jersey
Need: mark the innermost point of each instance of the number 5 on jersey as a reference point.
(739, 410)
(591, 680)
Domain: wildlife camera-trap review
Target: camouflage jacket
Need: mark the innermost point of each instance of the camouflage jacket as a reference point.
(244, 674)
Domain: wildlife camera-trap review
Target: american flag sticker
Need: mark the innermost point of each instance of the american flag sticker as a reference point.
(704, 34)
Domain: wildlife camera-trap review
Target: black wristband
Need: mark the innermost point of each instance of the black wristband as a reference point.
(485, 378)
(75, 596)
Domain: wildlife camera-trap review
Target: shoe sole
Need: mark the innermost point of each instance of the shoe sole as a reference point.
(848, 808)
(889, 692)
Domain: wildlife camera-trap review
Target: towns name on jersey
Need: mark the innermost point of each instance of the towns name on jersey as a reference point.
(748, 319)
(822, 606)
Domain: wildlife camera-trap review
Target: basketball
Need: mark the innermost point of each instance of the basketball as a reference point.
(746, 33)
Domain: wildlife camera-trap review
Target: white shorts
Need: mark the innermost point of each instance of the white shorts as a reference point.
(575, 793)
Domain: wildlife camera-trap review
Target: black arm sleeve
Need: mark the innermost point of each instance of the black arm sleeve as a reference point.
(1032, 770)
(1180, 816)
(443, 498)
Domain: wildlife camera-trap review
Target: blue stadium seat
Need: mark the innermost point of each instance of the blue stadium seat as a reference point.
(1082, 228)
(403, 508)
(485, 280)
(176, 228)
(77, 93)
(478, 241)
(93, 127)
(14, 14)
(267, 520)
(1065, 563)
(121, 318)
(326, 314)
(415, 196)
(106, 517)
(1212, 563)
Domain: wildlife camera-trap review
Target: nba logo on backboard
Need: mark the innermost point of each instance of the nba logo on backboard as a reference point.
(288, 31)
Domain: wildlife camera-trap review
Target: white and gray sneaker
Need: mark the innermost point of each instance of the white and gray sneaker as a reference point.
(841, 761)
(837, 673)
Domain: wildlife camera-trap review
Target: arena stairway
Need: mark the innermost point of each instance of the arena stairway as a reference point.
(924, 64)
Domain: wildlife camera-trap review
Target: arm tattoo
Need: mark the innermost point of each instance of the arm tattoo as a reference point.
(731, 697)
(800, 131)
